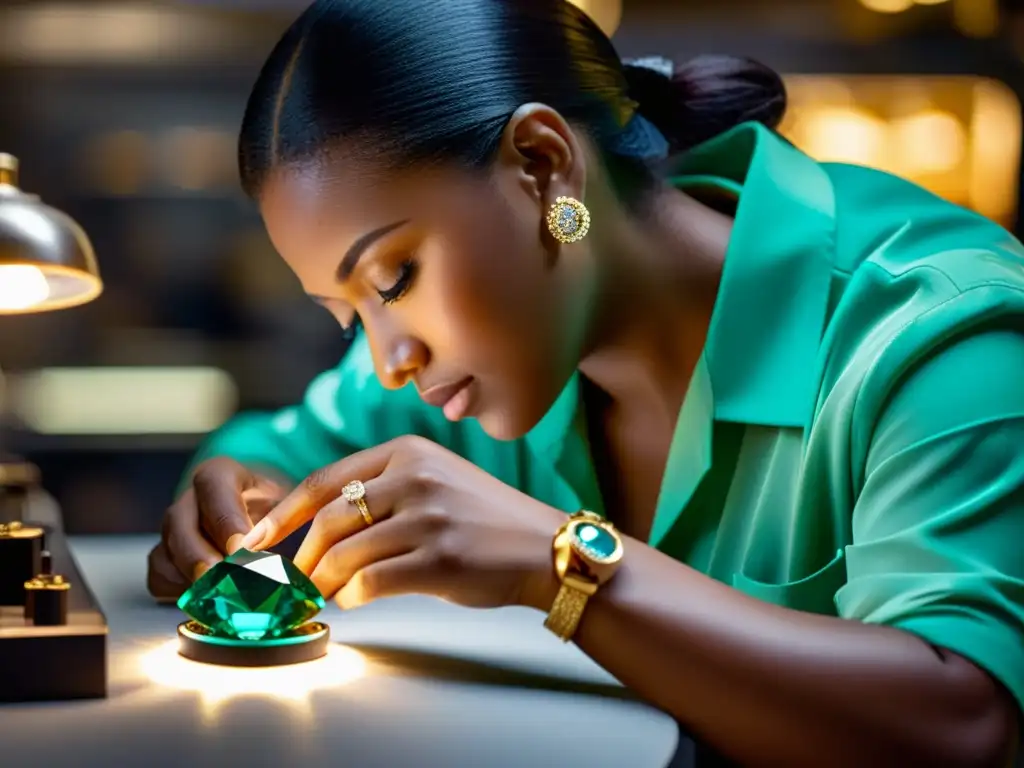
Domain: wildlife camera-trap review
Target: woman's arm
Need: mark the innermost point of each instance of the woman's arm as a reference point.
(936, 562)
(772, 686)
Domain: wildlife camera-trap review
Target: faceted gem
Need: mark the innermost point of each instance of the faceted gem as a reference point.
(251, 596)
(568, 220)
(353, 491)
(595, 541)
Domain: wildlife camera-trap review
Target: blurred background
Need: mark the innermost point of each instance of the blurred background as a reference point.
(124, 115)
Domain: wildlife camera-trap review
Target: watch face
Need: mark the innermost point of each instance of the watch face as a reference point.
(595, 542)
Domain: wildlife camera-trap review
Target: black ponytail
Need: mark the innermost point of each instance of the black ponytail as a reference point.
(705, 97)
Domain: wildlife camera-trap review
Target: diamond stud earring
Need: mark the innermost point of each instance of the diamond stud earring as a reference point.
(568, 220)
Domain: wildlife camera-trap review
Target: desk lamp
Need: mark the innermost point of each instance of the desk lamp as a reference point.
(52, 632)
(46, 263)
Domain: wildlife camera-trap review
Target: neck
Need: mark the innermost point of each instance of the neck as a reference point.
(659, 286)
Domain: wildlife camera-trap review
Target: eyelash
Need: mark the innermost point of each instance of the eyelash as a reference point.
(402, 284)
(405, 274)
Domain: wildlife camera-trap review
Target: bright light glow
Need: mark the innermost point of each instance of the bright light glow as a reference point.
(123, 401)
(22, 287)
(845, 135)
(887, 6)
(216, 686)
(929, 142)
(930, 2)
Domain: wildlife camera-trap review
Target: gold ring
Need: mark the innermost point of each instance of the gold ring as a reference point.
(355, 493)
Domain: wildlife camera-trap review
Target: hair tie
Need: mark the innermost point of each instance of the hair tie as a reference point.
(641, 139)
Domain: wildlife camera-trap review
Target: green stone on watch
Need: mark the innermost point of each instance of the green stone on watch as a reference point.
(252, 596)
(594, 541)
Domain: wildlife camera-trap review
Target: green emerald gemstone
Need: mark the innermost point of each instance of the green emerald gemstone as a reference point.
(595, 541)
(252, 596)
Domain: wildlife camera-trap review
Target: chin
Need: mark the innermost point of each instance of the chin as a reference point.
(502, 425)
(510, 423)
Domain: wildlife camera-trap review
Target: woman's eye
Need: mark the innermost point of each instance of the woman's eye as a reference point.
(402, 284)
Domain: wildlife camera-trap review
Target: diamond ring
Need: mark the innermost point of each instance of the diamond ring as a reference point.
(355, 493)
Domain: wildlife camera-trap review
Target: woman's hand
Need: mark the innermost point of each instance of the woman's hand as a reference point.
(206, 523)
(441, 526)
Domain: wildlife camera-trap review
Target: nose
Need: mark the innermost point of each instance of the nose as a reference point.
(402, 357)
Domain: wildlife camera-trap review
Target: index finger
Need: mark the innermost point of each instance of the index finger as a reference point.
(219, 488)
(318, 489)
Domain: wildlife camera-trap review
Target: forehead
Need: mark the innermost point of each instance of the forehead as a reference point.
(329, 206)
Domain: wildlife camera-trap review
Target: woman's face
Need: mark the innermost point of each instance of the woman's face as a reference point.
(458, 286)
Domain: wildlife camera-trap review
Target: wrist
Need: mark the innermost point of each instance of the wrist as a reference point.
(540, 582)
(541, 587)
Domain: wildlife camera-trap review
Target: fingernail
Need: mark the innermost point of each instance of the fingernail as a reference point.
(253, 538)
(235, 543)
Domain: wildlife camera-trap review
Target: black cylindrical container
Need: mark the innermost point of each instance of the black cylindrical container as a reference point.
(20, 560)
(47, 600)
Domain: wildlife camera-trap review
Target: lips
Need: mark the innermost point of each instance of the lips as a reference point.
(439, 396)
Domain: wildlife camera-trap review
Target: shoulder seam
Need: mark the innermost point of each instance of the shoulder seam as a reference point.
(919, 268)
(959, 288)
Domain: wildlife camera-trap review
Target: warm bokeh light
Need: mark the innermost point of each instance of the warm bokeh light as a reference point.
(976, 18)
(958, 136)
(215, 686)
(845, 135)
(124, 400)
(887, 6)
(897, 6)
(929, 142)
(995, 152)
(22, 287)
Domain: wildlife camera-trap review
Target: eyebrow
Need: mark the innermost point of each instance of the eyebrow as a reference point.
(352, 256)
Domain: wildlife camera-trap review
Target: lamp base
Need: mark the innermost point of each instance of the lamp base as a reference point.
(305, 643)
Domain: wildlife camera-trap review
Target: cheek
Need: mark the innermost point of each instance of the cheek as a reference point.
(489, 278)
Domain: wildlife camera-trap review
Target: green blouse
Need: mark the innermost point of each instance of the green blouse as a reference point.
(852, 442)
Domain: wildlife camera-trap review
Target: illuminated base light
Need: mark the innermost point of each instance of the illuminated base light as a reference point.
(22, 287)
(305, 643)
(217, 686)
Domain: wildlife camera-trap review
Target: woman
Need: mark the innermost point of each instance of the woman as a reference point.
(790, 391)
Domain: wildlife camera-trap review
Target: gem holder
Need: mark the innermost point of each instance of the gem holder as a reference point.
(58, 662)
(306, 643)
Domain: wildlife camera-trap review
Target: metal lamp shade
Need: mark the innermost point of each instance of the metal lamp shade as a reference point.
(46, 260)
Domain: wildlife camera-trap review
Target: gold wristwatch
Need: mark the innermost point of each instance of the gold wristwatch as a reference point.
(587, 553)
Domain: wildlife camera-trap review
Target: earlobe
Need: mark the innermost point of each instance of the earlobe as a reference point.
(545, 152)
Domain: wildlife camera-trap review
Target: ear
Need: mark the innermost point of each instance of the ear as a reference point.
(544, 153)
